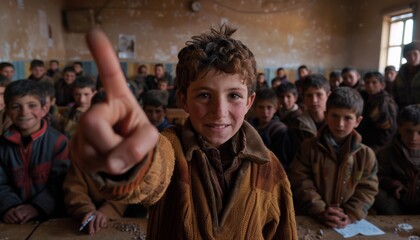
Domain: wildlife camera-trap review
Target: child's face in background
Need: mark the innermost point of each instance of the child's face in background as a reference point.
(341, 122)
(69, 77)
(83, 97)
(8, 72)
(303, 72)
(335, 81)
(26, 113)
(265, 110)
(159, 72)
(413, 57)
(156, 115)
(217, 104)
(2, 98)
(49, 101)
(287, 100)
(162, 85)
(53, 65)
(410, 135)
(315, 100)
(390, 75)
(38, 72)
(373, 85)
(350, 78)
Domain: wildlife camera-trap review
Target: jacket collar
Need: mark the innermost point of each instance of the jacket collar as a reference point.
(351, 144)
(254, 150)
(13, 133)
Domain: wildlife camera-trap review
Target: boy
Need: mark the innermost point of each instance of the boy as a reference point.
(302, 73)
(154, 105)
(351, 78)
(64, 87)
(289, 110)
(379, 114)
(196, 179)
(8, 70)
(334, 175)
(272, 131)
(407, 83)
(261, 82)
(54, 70)
(5, 121)
(390, 75)
(38, 72)
(316, 90)
(335, 79)
(34, 158)
(78, 67)
(53, 115)
(399, 167)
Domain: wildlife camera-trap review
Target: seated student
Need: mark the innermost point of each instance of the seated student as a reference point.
(34, 158)
(287, 95)
(351, 78)
(8, 70)
(54, 70)
(53, 115)
(302, 72)
(154, 105)
(281, 77)
(64, 87)
(272, 131)
(82, 197)
(390, 75)
(84, 89)
(379, 113)
(78, 67)
(333, 175)
(335, 79)
(261, 82)
(195, 179)
(38, 72)
(399, 167)
(160, 73)
(5, 121)
(316, 89)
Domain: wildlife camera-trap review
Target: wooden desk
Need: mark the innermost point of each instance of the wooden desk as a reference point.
(308, 228)
(16, 231)
(66, 228)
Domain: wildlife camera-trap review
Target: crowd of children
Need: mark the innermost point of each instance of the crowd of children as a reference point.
(335, 149)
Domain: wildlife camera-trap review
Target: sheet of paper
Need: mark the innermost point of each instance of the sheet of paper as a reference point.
(360, 227)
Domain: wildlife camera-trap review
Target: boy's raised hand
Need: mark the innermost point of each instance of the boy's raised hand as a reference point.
(114, 135)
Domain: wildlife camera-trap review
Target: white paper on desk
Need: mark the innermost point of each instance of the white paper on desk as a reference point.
(360, 227)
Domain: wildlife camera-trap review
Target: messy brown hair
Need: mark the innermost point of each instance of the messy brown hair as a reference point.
(215, 50)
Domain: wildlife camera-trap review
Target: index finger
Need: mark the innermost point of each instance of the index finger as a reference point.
(109, 68)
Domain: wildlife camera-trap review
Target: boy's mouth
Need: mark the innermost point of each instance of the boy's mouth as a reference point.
(217, 126)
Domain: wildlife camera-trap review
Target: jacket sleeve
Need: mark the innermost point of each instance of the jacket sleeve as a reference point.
(386, 172)
(306, 195)
(367, 188)
(146, 182)
(47, 199)
(8, 197)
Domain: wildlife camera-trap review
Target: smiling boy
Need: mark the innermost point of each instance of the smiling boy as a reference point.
(334, 174)
(211, 179)
(34, 157)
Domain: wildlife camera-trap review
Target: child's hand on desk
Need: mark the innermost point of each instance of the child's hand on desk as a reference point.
(100, 221)
(335, 217)
(20, 214)
(114, 135)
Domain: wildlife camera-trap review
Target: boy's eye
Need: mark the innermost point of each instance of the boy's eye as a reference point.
(235, 95)
(14, 107)
(203, 95)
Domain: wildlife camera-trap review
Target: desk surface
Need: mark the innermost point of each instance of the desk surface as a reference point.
(308, 229)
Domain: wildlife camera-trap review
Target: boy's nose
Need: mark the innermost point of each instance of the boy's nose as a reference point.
(219, 107)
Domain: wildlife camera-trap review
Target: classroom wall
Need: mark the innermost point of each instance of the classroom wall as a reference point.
(323, 34)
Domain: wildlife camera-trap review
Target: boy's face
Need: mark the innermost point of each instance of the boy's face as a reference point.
(275, 84)
(162, 85)
(53, 65)
(260, 78)
(287, 100)
(69, 77)
(303, 72)
(281, 73)
(390, 75)
(335, 81)
(2, 98)
(78, 68)
(217, 104)
(315, 100)
(159, 72)
(373, 85)
(26, 113)
(410, 135)
(265, 110)
(8, 72)
(156, 115)
(350, 78)
(38, 72)
(341, 122)
(413, 57)
(83, 97)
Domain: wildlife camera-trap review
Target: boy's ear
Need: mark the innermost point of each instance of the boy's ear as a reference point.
(44, 110)
(250, 100)
(358, 121)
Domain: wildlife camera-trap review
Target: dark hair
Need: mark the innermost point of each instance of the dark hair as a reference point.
(334, 74)
(265, 94)
(6, 64)
(285, 88)
(140, 67)
(215, 50)
(159, 65)
(390, 68)
(36, 63)
(410, 113)
(84, 82)
(317, 81)
(48, 89)
(155, 98)
(69, 69)
(348, 69)
(302, 67)
(54, 61)
(21, 88)
(78, 63)
(279, 69)
(414, 45)
(376, 75)
(346, 97)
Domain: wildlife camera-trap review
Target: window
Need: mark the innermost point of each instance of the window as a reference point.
(400, 33)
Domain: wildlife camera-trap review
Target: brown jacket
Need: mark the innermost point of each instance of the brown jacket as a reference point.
(320, 177)
(259, 205)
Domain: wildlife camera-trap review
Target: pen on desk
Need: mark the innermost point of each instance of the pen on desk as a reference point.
(84, 224)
